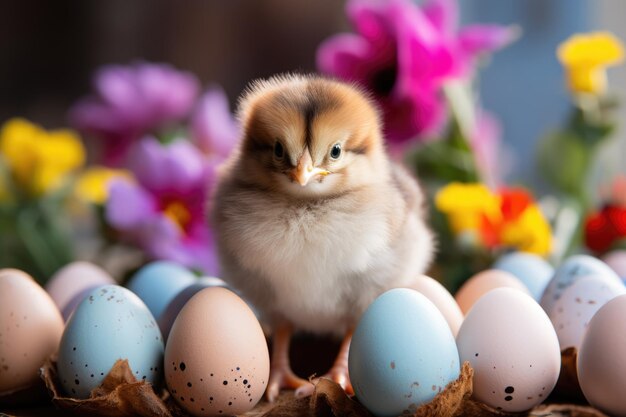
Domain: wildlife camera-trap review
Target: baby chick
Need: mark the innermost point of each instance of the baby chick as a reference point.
(312, 220)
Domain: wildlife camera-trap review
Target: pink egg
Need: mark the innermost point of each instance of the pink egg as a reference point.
(617, 261)
(67, 286)
(482, 283)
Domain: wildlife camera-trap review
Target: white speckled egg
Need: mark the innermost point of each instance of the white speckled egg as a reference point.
(511, 344)
(30, 329)
(532, 270)
(483, 282)
(157, 283)
(571, 270)
(442, 299)
(578, 304)
(402, 353)
(69, 285)
(216, 356)
(602, 358)
(111, 323)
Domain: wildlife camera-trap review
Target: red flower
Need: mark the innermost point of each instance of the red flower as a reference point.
(603, 228)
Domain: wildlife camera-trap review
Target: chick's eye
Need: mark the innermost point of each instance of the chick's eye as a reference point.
(335, 151)
(279, 151)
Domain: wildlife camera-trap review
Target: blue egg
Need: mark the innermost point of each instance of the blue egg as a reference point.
(111, 323)
(178, 302)
(402, 353)
(158, 282)
(571, 270)
(534, 271)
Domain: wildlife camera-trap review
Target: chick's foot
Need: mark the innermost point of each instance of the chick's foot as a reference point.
(281, 375)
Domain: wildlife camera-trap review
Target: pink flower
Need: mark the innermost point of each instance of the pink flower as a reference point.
(213, 128)
(132, 101)
(485, 142)
(404, 54)
(164, 212)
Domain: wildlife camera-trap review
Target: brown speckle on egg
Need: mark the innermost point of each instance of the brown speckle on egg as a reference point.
(392, 365)
(509, 390)
(508, 398)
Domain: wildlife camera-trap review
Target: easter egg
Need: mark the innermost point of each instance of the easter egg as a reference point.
(69, 285)
(571, 270)
(111, 323)
(216, 356)
(442, 299)
(616, 260)
(173, 308)
(157, 283)
(578, 304)
(402, 353)
(602, 358)
(512, 347)
(30, 329)
(532, 270)
(482, 283)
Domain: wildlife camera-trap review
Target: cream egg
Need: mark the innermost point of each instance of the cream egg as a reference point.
(30, 329)
(602, 358)
(511, 344)
(482, 283)
(216, 356)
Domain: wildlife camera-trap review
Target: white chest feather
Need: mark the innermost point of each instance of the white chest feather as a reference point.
(312, 256)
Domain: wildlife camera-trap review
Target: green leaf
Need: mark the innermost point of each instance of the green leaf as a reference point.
(564, 161)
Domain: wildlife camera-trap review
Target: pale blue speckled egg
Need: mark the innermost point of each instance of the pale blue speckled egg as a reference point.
(111, 323)
(157, 283)
(534, 271)
(571, 270)
(402, 353)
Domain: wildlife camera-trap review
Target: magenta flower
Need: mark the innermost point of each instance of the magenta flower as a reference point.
(130, 102)
(404, 54)
(213, 128)
(164, 212)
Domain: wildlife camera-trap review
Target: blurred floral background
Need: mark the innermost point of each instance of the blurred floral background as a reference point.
(115, 118)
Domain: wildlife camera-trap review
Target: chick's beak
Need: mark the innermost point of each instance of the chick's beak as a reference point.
(305, 170)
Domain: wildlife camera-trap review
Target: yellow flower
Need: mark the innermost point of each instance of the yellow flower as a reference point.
(93, 184)
(39, 160)
(585, 58)
(530, 232)
(466, 205)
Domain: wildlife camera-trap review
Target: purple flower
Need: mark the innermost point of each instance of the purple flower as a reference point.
(213, 128)
(164, 212)
(404, 54)
(131, 101)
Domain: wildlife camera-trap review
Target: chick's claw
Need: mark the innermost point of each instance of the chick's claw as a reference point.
(338, 375)
(283, 377)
